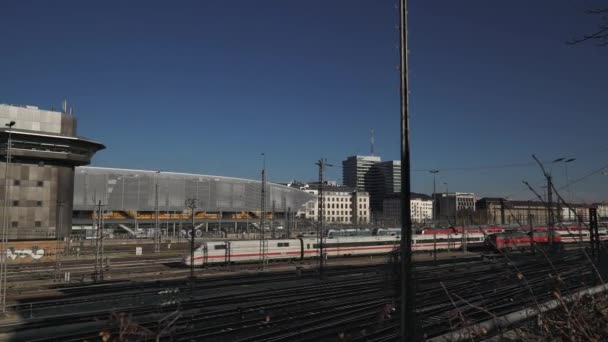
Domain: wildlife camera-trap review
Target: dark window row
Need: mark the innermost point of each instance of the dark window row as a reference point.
(18, 182)
(16, 203)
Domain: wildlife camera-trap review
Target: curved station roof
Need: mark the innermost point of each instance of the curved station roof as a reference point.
(124, 189)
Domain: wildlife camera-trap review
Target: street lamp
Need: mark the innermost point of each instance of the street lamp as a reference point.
(566, 161)
(570, 160)
(434, 172)
(435, 209)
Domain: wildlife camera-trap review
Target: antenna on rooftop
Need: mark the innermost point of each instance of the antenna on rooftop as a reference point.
(372, 141)
(64, 106)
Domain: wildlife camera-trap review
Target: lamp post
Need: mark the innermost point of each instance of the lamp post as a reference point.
(435, 211)
(3, 266)
(434, 172)
(566, 162)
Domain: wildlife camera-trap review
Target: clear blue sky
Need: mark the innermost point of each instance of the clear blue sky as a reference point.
(206, 86)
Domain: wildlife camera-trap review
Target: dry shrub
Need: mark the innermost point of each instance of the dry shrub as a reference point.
(583, 319)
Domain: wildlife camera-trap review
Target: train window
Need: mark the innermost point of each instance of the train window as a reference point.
(307, 246)
(283, 244)
(220, 246)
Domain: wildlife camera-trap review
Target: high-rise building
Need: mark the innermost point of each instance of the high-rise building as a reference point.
(371, 174)
(357, 172)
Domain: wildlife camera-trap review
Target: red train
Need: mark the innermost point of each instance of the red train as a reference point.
(459, 230)
(521, 240)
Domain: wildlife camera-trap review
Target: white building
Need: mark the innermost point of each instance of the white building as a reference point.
(421, 209)
(342, 205)
(602, 211)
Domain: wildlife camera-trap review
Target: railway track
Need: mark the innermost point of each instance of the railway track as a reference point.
(279, 306)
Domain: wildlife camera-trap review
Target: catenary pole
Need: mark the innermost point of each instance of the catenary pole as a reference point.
(408, 319)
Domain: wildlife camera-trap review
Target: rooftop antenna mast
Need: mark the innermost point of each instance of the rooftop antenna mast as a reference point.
(372, 143)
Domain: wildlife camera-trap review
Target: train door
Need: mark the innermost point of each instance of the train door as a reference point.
(205, 254)
(228, 252)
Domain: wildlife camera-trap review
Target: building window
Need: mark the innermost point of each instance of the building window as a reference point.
(16, 182)
(15, 203)
(14, 224)
(40, 183)
(39, 203)
(38, 224)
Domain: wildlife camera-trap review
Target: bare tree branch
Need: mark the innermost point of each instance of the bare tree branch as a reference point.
(600, 36)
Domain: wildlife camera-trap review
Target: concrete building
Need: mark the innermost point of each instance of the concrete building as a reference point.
(421, 208)
(496, 210)
(130, 197)
(39, 185)
(343, 205)
(449, 205)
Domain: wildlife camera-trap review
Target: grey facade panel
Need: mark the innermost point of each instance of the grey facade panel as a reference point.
(123, 189)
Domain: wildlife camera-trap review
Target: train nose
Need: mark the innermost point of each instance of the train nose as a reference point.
(186, 260)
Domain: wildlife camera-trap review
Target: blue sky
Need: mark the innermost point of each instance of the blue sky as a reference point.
(206, 86)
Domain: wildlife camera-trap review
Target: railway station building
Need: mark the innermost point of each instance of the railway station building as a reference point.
(131, 201)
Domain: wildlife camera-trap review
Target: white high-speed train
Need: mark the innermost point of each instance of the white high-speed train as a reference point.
(214, 252)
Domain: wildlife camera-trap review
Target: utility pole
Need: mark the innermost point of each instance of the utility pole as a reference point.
(549, 201)
(58, 229)
(156, 224)
(407, 319)
(272, 228)
(594, 234)
(191, 204)
(288, 222)
(531, 229)
(322, 163)
(99, 244)
(263, 243)
(5, 222)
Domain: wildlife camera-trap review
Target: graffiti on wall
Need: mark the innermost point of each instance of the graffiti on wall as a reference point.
(35, 253)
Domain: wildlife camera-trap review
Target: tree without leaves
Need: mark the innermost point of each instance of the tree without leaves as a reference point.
(599, 36)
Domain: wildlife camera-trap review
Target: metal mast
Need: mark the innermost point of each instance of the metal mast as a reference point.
(372, 142)
(550, 217)
(322, 163)
(156, 223)
(263, 242)
(408, 319)
(191, 204)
